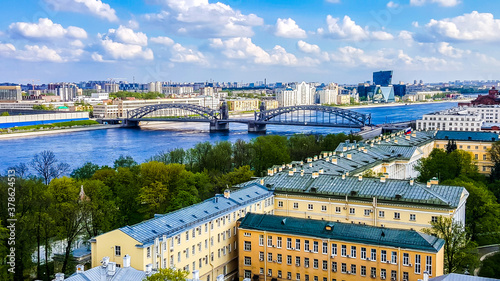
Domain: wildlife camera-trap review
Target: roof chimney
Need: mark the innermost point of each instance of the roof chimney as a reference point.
(309, 159)
(290, 173)
(149, 268)
(407, 137)
(126, 261)
(334, 160)
(321, 171)
(343, 176)
(261, 181)
(227, 193)
(59, 277)
(360, 178)
(412, 181)
(80, 268)
(383, 178)
(435, 181)
(315, 157)
(429, 183)
(426, 276)
(111, 269)
(302, 173)
(310, 164)
(344, 148)
(315, 174)
(395, 141)
(270, 172)
(105, 261)
(196, 275)
(349, 156)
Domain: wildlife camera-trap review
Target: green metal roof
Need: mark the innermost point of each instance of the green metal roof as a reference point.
(348, 232)
(392, 190)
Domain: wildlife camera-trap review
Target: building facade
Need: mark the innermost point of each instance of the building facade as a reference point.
(455, 119)
(283, 248)
(329, 94)
(10, 93)
(302, 94)
(200, 237)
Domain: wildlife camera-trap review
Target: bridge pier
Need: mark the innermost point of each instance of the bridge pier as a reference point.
(218, 126)
(256, 128)
(129, 123)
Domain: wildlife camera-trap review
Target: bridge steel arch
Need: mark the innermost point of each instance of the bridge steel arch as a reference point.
(356, 118)
(204, 112)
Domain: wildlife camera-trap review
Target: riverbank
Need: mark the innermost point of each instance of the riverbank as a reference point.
(55, 131)
(400, 104)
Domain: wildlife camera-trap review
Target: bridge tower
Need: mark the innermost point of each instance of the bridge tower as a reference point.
(218, 124)
(253, 126)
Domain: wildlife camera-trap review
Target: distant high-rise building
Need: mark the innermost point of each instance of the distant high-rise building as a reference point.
(10, 93)
(382, 78)
(111, 88)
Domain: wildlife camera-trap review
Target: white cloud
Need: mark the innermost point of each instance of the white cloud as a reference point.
(446, 49)
(7, 50)
(45, 29)
(244, 48)
(308, 48)
(36, 53)
(405, 35)
(121, 51)
(162, 40)
(391, 4)
(93, 7)
(381, 35)
(444, 3)
(186, 55)
(200, 18)
(127, 36)
(468, 27)
(347, 29)
(288, 28)
(333, 1)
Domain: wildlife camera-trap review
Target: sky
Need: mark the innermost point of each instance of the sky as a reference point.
(340, 41)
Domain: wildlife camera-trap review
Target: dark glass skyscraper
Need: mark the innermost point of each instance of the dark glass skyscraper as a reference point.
(382, 78)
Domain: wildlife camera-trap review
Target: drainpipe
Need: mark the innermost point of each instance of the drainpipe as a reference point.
(374, 211)
(399, 262)
(210, 249)
(265, 255)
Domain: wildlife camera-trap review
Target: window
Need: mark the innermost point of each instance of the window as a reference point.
(297, 261)
(367, 212)
(270, 272)
(381, 214)
(279, 242)
(248, 261)
(417, 264)
(334, 266)
(280, 204)
(434, 219)
(382, 273)
(353, 269)
(315, 246)
(187, 235)
(413, 217)
(405, 276)
(334, 249)
(248, 234)
(343, 268)
(118, 251)
(352, 211)
(363, 253)
(306, 277)
(397, 215)
(297, 276)
(484, 156)
(315, 263)
(269, 256)
(194, 233)
(148, 251)
(353, 251)
(325, 248)
(406, 259)
(325, 265)
(323, 208)
(373, 272)
(295, 205)
(363, 270)
(343, 251)
(279, 274)
(383, 255)
(289, 275)
(280, 258)
(297, 244)
(394, 257)
(306, 262)
(248, 274)
(261, 240)
(261, 270)
(337, 209)
(393, 274)
(309, 207)
(373, 255)
(269, 241)
(261, 256)
(288, 259)
(178, 256)
(289, 243)
(248, 246)
(306, 245)
(428, 264)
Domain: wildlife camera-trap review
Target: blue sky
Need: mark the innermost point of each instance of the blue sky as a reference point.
(341, 41)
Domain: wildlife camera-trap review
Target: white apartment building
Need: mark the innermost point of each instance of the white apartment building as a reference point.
(329, 94)
(106, 111)
(111, 88)
(488, 113)
(455, 119)
(178, 91)
(303, 94)
(155, 87)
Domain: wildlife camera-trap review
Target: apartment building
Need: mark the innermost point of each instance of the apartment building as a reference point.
(286, 248)
(124, 106)
(455, 119)
(199, 237)
(477, 143)
(10, 93)
(302, 94)
(243, 104)
(367, 201)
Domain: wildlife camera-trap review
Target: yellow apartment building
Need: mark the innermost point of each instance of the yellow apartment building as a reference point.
(477, 143)
(284, 248)
(390, 203)
(199, 237)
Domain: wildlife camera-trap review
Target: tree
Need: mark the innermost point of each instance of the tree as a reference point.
(240, 175)
(451, 146)
(490, 267)
(168, 274)
(458, 247)
(67, 212)
(269, 151)
(495, 152)
(21, 170)
(47, 166)
(124, 162)
(100, 208)
(242, 153)
(85, 172)
(5, 113)
(446, 166)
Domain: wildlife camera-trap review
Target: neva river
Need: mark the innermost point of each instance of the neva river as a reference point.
(102, 147)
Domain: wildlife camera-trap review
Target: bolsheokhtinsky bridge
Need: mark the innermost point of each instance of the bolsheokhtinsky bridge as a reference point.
(298, 115)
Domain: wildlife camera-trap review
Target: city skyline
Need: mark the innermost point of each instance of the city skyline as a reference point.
(342, 41)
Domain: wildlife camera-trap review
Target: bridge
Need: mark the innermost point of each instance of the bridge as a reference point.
(299, 115)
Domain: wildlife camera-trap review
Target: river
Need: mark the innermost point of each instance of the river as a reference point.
(102, 147)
